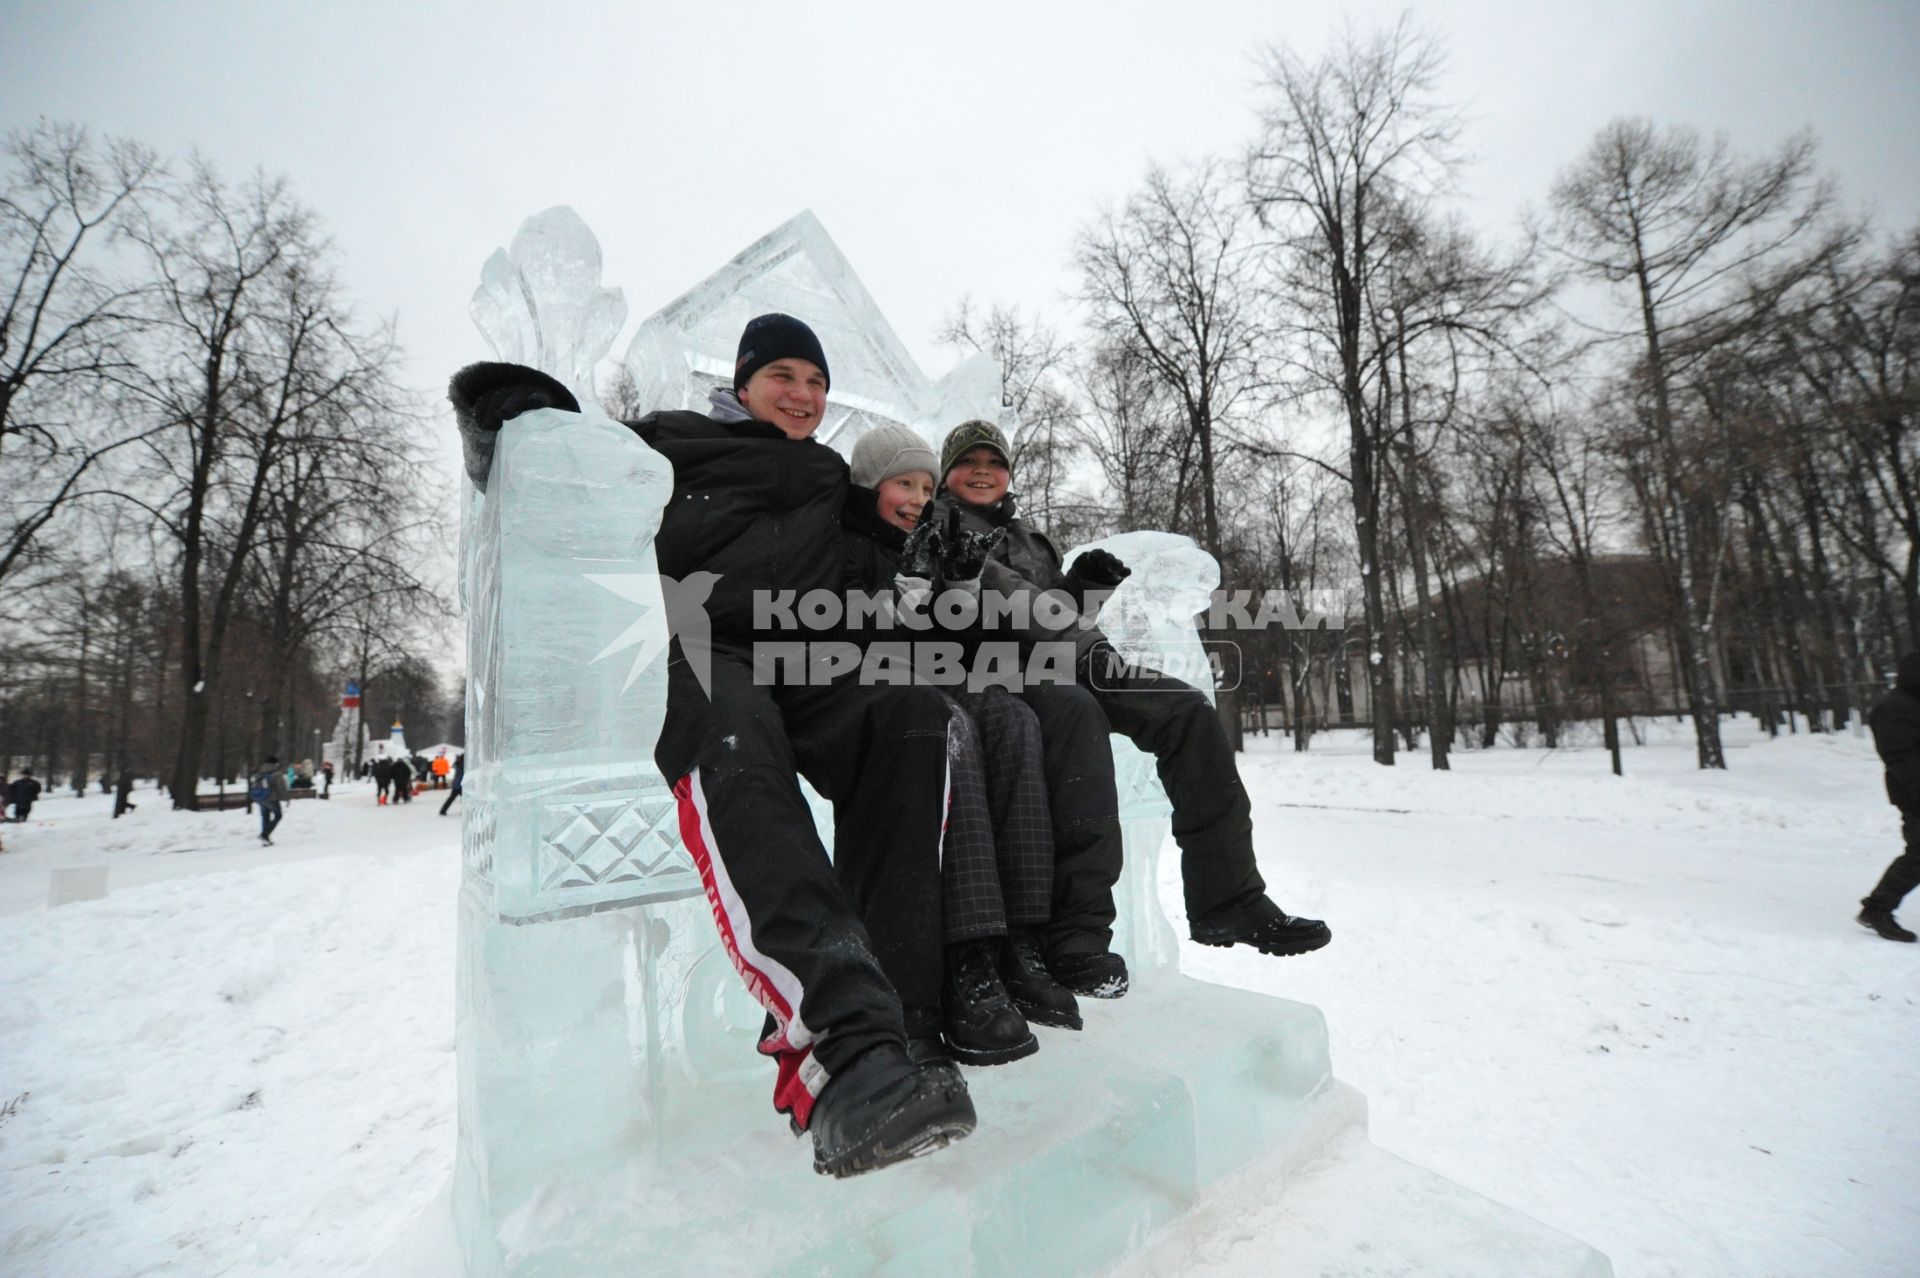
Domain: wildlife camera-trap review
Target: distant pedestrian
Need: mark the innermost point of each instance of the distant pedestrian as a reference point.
(326, 779)
(382, 778)
(402, 781)
(22, 794)
(440, 769)
(459, 775)
(1895, 719)
(268, 788)
(123, 794)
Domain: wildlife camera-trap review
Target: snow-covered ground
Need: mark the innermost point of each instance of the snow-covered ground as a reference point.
(1637, 1009)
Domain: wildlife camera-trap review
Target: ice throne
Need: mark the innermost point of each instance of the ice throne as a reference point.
(613, 1115)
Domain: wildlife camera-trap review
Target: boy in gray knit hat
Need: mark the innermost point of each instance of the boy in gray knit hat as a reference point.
(997, 871)
(899, 467)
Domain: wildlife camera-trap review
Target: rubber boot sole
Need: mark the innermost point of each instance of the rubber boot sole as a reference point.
(929, 1122)
(1892, 932)
(993, 1055)
(1037, 1014)
(1279, 949)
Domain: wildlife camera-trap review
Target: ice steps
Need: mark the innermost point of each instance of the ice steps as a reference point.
(1185, 1114)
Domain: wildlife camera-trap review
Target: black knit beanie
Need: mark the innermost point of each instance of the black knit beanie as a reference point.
(776, 336)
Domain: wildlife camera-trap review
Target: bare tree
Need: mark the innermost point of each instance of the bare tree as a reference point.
(1685, 227)
(256, 347)
(64, 319)
(1167, 278)
(1346, 147)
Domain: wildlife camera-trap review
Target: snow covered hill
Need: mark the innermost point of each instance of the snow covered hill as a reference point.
(1637, 1009)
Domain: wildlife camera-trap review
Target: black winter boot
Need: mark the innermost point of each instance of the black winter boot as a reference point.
(1264, 926)
(925, 1046)
(1883, 922)
(1090, 974)
(1040, 998)
(882, 1109)
(983, 1028)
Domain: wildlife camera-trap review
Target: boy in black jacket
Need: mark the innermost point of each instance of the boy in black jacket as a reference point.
(1227, 902)
(1895, 719)
(758, 501)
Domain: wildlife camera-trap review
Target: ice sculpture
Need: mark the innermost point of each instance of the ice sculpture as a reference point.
(612, 1112)
(687, 347)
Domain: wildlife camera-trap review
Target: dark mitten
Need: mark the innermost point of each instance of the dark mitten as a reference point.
(968, 550)
(1098, 569)
(486, 396)
(922, 553)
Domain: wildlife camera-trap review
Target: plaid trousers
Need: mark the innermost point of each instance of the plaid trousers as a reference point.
(997, 868)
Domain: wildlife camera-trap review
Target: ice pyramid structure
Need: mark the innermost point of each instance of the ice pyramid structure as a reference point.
(613, 1114)
(687, 347)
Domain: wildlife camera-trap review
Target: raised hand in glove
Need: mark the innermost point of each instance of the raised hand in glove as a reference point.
(488, 395)
(1099, 569)
(498, 407)
(967, 551)
(924, 551)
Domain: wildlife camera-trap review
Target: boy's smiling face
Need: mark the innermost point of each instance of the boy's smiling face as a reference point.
(979, 476)
(904, 497)
(790, 393)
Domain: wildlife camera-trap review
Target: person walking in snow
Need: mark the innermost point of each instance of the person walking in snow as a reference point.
(268, 788)
(1895, 720)
(123, 794)
(382, 769)
(400, 780)
(1227, 902)
(459, 775)
(22, 794)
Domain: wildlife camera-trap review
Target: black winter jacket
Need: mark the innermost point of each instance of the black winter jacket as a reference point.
(761, 510)
(1895, 720)
(870, 544)
(23, 792)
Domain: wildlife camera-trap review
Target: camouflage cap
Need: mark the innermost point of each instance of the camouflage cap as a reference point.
(968, 436)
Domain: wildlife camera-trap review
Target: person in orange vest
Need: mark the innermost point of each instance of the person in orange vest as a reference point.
(440, 767)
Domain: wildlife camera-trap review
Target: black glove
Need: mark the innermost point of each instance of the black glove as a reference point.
(967, 549)
(922, 553)
(1098, 569)
(498, 407)
(486, 396)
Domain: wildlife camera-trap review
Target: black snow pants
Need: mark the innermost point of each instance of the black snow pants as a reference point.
(832, 949)
(1212, 817)
(1904, 874)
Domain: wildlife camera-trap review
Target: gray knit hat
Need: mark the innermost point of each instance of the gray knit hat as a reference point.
(968, 436)
(886, 451)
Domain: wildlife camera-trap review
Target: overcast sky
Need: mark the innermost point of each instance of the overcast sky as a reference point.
(948, 150)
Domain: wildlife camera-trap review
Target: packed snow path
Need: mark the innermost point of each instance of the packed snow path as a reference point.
(1638, 1010)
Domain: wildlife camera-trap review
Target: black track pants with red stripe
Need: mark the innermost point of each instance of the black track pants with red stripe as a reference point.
(832, 950)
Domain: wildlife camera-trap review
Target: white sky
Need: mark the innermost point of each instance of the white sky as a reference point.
(947, 150)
